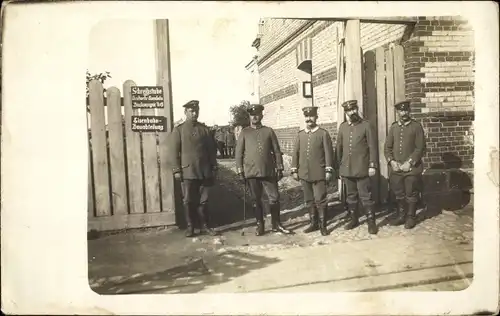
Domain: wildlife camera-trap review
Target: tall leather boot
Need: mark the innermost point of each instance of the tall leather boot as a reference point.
(322, 221)
(411, 220)
(400, 214)
(276, 221)
(203, 216)
(189, 221)
(313, 217)
(259, 216)
(352, 217)
(370, 219)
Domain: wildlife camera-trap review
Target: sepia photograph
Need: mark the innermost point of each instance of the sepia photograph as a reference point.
(250, 158)
(305, 155)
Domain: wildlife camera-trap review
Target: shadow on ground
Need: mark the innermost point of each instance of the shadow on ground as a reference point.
(191, 277)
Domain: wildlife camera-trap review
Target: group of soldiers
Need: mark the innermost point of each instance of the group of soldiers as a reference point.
(316, 161)
(225, 140)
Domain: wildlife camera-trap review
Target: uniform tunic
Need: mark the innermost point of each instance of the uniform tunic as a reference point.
(406, 141)
(312, 154)
(230, 139)
(258, 152)
(191, 150)
(356, 149)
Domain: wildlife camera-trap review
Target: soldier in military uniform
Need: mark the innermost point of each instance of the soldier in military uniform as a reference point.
(259, 161)
(193, 157)
(404, 148)
(312, 164)
(356, 151)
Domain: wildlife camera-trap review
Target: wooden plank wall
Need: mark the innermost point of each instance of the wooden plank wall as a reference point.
(133, 143)
(370, 87)
(381, 120)
(99, 149)
(116, 152)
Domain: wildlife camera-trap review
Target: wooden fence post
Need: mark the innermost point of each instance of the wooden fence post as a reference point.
(371, 110)
(134, 165)
(381, 121)
(354, 63)
(116, 151)
(150, 157)
(389, 59)
(99, 149)
(91, 208)
(399, 74)
(163, 78)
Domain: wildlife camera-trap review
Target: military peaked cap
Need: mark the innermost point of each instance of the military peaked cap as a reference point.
(350, 104)
(310, 110)
(402, 106)
(255, 109)
(193, 104)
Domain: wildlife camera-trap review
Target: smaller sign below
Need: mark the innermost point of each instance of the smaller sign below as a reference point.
(149, 123)
(147, 97)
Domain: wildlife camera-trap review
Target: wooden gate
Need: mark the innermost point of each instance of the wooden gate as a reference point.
(130, 185)
(384, 85)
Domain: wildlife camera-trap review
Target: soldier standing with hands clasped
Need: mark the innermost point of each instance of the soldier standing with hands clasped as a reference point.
(259, 161)
(192, 154)
(404, 148)
(312, 164)
(357, 155)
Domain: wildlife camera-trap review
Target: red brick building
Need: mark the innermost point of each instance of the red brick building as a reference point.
(438, 77)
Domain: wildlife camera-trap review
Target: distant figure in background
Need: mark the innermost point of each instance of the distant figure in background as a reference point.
(230, 142)
(237, 131)
(194, 164)
(404, 148)
(220, 137)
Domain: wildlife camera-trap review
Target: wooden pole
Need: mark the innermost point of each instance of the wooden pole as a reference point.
(163, 78)
(354, 66)
(340, 87)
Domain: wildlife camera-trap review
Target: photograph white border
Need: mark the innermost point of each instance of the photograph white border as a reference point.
(44, 165)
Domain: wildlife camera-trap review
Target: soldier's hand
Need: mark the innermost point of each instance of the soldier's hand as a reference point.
(295, 176)
(395, 165)
(406, 166)
(371, 172)
(241, 175)
(279, 174)
(178, 176)
(328, 176)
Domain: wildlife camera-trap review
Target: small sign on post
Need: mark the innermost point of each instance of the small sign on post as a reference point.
(148, 97)
(149, 123)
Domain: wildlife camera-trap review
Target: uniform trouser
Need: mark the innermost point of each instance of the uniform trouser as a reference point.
(195, 199)
(405, 187)
(221, 146)
(229, 150)
(257, 187)
(359, 189)
(314, 193)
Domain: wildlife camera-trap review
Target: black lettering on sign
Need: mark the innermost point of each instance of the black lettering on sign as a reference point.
(149, 123)
(147, 97)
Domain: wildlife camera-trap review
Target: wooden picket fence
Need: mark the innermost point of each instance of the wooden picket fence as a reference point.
(130, 184)
(384, 85)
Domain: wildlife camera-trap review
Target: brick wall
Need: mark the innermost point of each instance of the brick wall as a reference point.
(439, 81)
(277, 70)
(447, 139)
